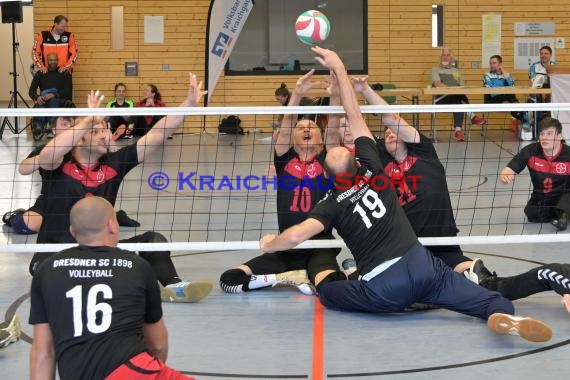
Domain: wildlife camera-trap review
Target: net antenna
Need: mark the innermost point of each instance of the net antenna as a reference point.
(12, 14)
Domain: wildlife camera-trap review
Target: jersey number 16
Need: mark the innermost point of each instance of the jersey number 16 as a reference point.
(92, 308)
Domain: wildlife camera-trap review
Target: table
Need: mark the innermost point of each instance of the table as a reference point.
(461, 90)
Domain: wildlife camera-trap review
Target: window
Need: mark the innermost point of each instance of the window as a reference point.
(268, 43)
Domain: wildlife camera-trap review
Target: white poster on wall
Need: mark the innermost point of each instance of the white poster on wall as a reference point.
(491, 38)
(527, 50)
(153, 29)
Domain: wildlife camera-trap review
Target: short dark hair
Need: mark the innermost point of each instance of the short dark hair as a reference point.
(282, 91)
(497, 57)
(53, 121)
(120, 84)
(546, 47)
(59, 18)
(550, 122)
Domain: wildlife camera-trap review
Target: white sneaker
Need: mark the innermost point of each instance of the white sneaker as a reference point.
(527, 328)
(186, 291)
(296, 278)
(11, 333)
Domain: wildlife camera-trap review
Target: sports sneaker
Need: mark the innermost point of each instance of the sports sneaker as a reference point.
(478, 273)
(49, 134)
(125, 221)
(561, 223)
(526, 126)
(11, 333)
(459, 135)
(7, 218)
(476, 119)
(527, 328)
(296, 278)
(348, 267)
(186, 291)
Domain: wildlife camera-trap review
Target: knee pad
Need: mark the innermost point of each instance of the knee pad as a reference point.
(335, 276)
(233, 280)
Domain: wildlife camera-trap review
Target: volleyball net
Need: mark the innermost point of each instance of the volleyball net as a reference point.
(206, 191)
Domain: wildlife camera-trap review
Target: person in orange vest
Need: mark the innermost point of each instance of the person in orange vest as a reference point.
(56, 40)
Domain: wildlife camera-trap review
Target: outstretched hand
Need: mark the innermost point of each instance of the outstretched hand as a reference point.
(94, 99)
(195, 91)
(304, 83)
(327, 58)
(359, 84)
(333, 88)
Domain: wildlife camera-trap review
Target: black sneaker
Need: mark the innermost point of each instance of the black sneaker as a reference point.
(37, 131)
(125, 221)
(561, 223)
(7, 218)
(478, 273)
(349, 268)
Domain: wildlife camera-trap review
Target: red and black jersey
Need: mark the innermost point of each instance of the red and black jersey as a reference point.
(301, 185)
(96, 300)
(550, 176)
(369, 218)
(421, 184)
(71, 182)
(65, 48)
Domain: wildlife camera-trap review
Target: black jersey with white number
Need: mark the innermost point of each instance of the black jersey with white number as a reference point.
(422, 188)
(96, 300)
(550, 176)
(301, 185)
(371, 221)
(71, 182)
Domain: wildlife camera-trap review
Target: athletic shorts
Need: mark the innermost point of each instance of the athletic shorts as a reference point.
(145, 367)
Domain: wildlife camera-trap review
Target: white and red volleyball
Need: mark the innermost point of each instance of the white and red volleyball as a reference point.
(312, 27)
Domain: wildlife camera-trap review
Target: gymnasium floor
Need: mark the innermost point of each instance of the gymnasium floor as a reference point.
(280, 333)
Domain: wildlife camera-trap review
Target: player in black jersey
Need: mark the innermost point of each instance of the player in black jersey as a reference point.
(396, 270)
(548, 163)
(95, 308)
(29, 221)
(298, 159)
(410, 159)
(77, 164)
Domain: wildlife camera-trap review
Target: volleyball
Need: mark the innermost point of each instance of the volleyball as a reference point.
(312, 27)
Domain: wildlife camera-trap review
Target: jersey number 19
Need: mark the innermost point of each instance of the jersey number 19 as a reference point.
(374, 204)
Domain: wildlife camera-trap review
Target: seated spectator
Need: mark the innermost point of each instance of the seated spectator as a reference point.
(499, 78)
(447, 75)
(118, 124)
(152, 98)
(51, 89)
(538, 75)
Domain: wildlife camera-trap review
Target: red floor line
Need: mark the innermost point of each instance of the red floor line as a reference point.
(318, 342)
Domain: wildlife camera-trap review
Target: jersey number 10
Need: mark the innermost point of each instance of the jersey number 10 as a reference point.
(92, 308)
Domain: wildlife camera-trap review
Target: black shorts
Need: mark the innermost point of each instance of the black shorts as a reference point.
(38, 207)
(313, 260)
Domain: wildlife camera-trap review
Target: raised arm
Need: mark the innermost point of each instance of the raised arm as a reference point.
(52, 154)
(29, 165)
(166, 126)
(284, 141)
(331, 60)
(393, 121)
(332, 133)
